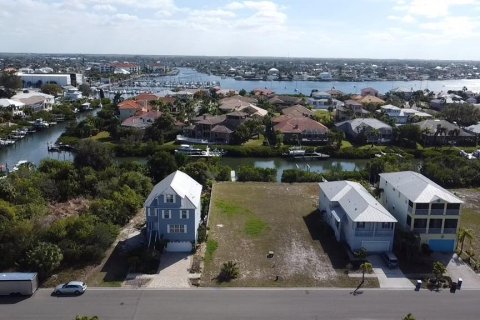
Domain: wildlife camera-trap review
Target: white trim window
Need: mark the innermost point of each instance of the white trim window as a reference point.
(176, 228)
(155, 212)
(169, 198)
(184, 214)
(166, 214)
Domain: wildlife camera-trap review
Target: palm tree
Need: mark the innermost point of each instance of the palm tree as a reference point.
(464, 234)
(365, 267)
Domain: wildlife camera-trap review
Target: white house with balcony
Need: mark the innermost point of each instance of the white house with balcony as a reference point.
(356, 217)
(422, 206)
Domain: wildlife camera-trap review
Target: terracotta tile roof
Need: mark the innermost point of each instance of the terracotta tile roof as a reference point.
(129, 104)
(372, 99)
(298, 110)
(300, 125)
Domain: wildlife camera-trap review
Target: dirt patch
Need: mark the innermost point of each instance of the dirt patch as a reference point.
(470, 196)
(60, 210)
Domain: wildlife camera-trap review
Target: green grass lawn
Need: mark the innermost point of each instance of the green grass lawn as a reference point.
(250, 219)
(255, 142)
(470, 219)
(102, 136)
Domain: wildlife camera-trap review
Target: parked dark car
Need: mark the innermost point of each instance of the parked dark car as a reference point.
(390, 260)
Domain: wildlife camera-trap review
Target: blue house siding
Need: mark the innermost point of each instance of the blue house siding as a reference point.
(176, 194)
(160, 222)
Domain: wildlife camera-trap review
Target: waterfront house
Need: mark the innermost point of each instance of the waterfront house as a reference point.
(367, 130)
(15, 106)
(350, 110)
(216, 129)
(37, 101)
(402, 115)
(356, 217)
(141, 120)
(129, 108)
(423, 207)
(300, 130)
(442, 132)
(173, 211)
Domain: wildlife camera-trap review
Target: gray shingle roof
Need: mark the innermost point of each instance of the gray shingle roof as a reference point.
(418, 188)
(355, 200)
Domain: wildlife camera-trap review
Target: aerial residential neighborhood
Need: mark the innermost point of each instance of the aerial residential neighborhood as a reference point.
(239, 159)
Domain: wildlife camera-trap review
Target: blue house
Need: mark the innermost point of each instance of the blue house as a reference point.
(173, 211)
(356, 217)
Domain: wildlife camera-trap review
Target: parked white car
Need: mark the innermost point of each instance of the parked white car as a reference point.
(72, 287)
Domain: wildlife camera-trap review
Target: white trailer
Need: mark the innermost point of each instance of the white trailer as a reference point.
(18, 283)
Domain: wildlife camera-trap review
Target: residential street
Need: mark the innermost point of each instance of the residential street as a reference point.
(275, 304)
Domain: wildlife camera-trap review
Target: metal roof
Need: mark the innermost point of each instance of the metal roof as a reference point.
(17, 276)
(182, 184)
(418, 188)
(356, 201)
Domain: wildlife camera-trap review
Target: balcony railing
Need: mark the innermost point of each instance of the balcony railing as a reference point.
(434, 230)
(436, 212)
(421, 212)
(449, 230)
(383, 233)
(364, 233)
(420, 230)
(453, 212)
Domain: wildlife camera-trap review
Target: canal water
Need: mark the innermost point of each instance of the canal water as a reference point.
(305, 87)
(33, 147)
(281, 164)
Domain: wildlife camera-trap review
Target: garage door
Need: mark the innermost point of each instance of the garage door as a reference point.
(442, 245)
(179, 246)
(376, 246)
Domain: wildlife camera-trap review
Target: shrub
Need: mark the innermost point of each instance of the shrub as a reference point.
(250, 173)
(229, 271)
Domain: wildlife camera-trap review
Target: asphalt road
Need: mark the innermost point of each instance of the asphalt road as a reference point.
(211, 304)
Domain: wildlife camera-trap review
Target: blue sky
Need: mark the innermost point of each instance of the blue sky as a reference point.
(420, 29)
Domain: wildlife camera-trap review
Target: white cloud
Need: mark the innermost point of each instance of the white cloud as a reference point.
(430, 8)
(104, 7)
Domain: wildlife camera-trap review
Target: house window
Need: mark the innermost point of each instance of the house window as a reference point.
(149, 212)
(177, 228)
(166, 214)
(169, 198)
(155, 212)
(409, 221)
(387, 225)
(360, 225)
(183, 214)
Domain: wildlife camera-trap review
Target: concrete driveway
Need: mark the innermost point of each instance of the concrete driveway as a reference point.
(457, 268)
(389, 278)
(173, 271)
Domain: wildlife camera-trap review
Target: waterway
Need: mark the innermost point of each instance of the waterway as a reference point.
(305, 87)
(281, 164)
(33, 147)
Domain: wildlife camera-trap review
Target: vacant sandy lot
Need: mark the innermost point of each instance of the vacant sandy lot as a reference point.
(248, 220)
